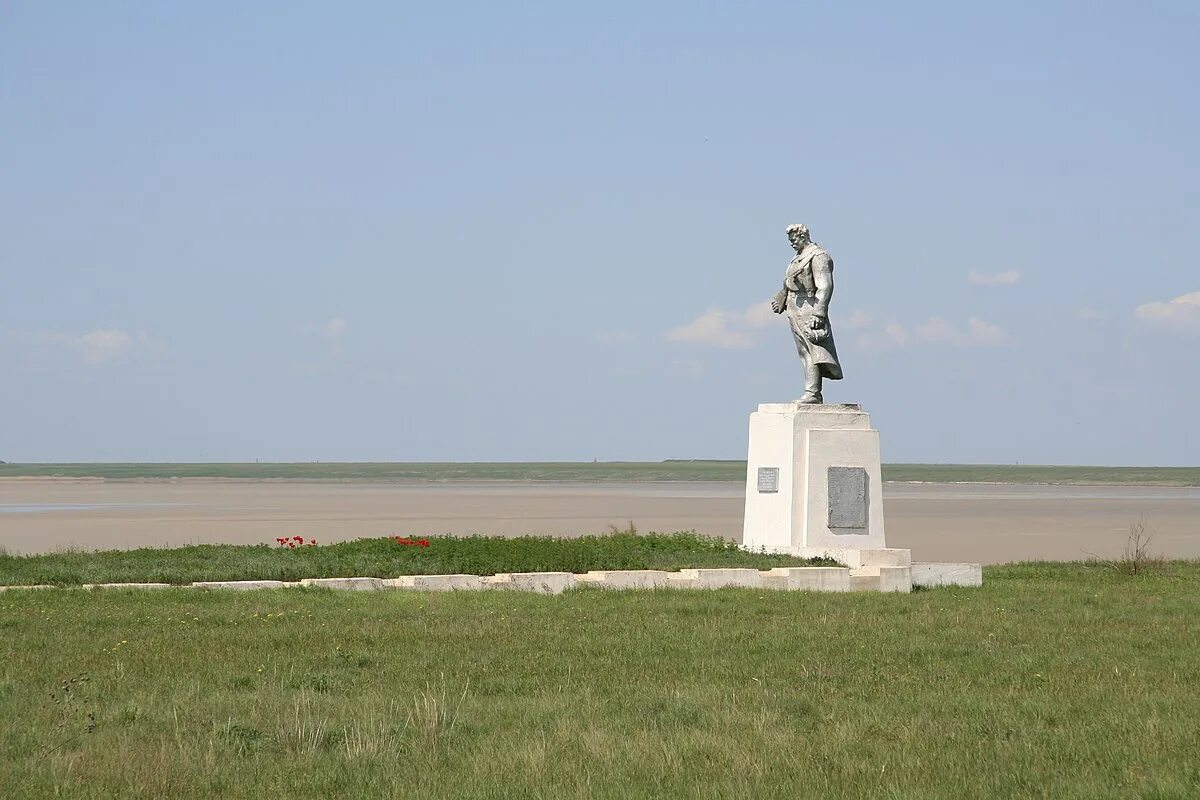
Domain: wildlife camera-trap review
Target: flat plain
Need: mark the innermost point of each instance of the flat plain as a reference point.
(591, 472)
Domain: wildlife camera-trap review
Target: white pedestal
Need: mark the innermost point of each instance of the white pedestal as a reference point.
(813, 483)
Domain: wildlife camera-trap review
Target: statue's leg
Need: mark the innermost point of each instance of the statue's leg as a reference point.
(812, 382)
(812, 371)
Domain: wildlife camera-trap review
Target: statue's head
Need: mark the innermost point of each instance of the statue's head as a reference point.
(798, 236)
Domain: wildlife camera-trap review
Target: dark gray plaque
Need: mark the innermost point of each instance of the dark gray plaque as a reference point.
(768, 479)
(848, 499)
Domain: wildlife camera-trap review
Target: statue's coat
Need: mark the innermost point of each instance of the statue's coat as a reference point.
(811, 267)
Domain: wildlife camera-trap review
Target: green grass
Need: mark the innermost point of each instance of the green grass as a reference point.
(384, 558)
(1034, 474)
(602, 471)
(1057, 681)
(399, 471)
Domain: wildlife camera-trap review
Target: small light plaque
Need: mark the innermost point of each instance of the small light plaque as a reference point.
(768, 479)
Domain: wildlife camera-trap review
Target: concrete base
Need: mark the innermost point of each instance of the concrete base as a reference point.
(865, 565)
(813, 479)
(877, 557)
(814, 489)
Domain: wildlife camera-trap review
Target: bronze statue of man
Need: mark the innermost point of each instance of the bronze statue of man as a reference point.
(807, 289)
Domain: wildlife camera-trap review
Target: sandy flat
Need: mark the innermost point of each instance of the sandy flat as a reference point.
(942, 522)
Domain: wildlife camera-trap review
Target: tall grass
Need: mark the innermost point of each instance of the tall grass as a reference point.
(1138, 558)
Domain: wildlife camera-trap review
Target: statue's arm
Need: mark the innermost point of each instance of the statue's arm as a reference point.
(779, 301)
(822, 271)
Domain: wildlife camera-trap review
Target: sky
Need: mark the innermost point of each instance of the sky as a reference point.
(549, 231)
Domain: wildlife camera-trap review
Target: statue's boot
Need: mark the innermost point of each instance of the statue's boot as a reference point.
(812, 384)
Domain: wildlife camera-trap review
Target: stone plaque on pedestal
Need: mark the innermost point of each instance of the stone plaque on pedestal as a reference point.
(848, 499)
(768, 479)
(828, 492)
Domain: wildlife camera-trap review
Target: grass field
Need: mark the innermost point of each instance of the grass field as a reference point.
(385, 558)
(1059, 681)
(599, 471)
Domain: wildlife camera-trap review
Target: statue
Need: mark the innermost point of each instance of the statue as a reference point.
(807, 288)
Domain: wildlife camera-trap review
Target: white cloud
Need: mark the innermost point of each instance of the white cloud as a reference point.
(715, 327)
(890, 337)
(984, 334)
(935, 330)
(46, 351)
(759, 315)
(335, 328)
(1007, 278)
(858, 319)
(332, 329)
(896, 334)
(1180, 314)
(735, 330)
(727, 329)
(100, 345)
(317, 356)
(977, 334)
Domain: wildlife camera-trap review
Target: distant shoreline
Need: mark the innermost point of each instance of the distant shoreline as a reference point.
(580, 472)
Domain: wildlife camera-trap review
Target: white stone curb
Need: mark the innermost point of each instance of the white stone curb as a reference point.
(625, 579)
(720, 578)
(813, 579)
(127, 586)
(540, 582)
(242, 585)
(928, 574)
(873, 578)
(346, 584)
(435, 583)
(881, 579)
